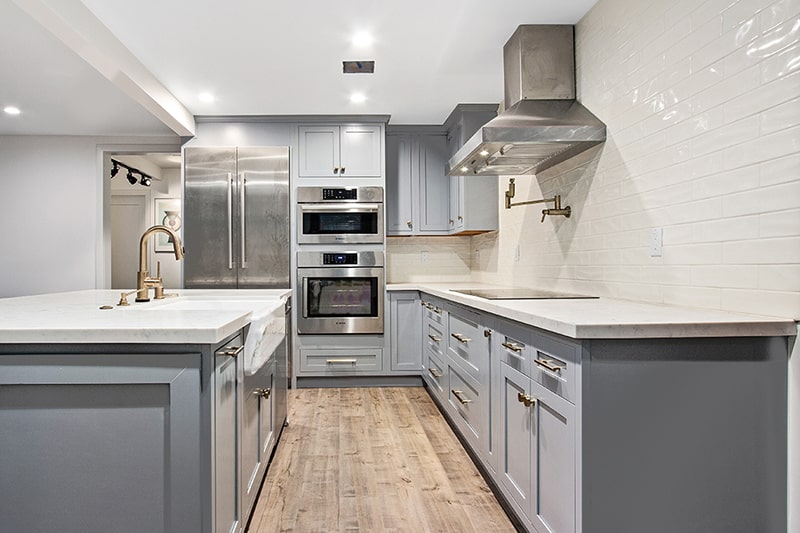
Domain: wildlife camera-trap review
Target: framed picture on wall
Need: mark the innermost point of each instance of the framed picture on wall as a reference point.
(167, 213)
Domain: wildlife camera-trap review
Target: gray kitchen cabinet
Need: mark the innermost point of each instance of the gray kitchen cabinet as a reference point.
(473, 201)
(132, 437)
(514, 422)
(258, 431)
(417, 183)
(405, 327)
(340, 150)
(226, 425)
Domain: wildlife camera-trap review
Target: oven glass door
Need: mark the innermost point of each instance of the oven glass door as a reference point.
(340, 223)
(346, 300)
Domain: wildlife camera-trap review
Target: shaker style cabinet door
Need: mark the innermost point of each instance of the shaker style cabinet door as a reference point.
(515, 415)
(405, 315)
(434, 186)
(319, 151)
(225, 450)
(399, 202)
(360, 151)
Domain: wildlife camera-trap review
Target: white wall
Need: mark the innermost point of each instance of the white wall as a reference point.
(430, 259)
(52, 215)
(701, 100)
(794, 437)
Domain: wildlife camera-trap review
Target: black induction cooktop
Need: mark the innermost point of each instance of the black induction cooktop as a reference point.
(520, 293)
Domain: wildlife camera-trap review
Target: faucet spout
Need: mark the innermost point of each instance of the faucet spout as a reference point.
(143, 279)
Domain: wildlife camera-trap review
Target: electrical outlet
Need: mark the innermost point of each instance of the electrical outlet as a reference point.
(656, 242)
(423, 257)
(516, 253)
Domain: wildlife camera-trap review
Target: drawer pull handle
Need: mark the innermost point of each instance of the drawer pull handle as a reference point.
(341, 361)
(460, 396)
(549, 364)
(434, 373)
(514, 347)
(233, 352)
(526, 399)
(460, 338)
(434, 338)
(263, 393)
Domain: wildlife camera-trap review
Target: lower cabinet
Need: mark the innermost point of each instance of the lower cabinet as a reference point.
(226, 425)
(405, 326)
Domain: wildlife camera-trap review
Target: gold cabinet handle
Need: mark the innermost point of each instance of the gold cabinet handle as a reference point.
(460, 338)
(263, 393)
(408, 223)
(487, 333)
(460, 218)
(434, 373)
(341, 361)
(526, 399)
(335, 170)
(434, 338)
(342, 170)
(513, 346)
(233, 352)
(460, 396)
(549, 365)
(452, 221)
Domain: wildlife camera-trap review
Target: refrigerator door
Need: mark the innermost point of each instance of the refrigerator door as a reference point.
(210, 222)
(263, 217)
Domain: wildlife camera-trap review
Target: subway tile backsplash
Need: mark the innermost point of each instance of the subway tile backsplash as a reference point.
(703, 115)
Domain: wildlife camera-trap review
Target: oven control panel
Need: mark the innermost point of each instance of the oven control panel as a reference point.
(340, 259)
(339, 194)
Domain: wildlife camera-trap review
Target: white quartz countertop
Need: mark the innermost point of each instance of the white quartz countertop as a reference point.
(605, 318)
(194, 316)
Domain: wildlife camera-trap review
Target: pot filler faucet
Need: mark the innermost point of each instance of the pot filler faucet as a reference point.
(143, 279)
(557, 209)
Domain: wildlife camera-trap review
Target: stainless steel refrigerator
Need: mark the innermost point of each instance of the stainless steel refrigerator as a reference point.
(236, 218)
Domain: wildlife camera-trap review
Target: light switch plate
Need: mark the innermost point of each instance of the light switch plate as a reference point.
(656, 242)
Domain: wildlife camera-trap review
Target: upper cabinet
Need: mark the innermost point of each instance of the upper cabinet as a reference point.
(473, 201)
(417, 187)
(346, 150)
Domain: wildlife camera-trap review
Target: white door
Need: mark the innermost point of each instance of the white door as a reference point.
(128, 216)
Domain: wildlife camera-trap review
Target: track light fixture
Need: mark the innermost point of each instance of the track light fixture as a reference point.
(144, 179)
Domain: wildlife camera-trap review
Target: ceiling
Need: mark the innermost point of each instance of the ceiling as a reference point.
(262, 58)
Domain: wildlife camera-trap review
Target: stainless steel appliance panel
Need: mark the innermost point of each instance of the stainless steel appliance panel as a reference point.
(340, 215)
(236, 217)
(209, 210)
(263, 182)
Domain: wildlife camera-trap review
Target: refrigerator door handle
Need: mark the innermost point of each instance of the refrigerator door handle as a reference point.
(230, 221)
(242, 210)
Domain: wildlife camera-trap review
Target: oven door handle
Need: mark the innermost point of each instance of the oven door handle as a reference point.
(342, 208)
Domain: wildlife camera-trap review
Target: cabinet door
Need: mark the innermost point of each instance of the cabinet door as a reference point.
(515, 432)
(405, 327)
(360, 151)
(267, 415)
(399, 200)
(553, 469)
(318, 151)
(434, 184)
(456, 220)
(225, 446)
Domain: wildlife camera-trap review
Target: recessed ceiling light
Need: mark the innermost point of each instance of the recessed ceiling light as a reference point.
(206, 97)
(484, 153)
(464, 169)
(362, 39)
(11, 110)
(357, 98)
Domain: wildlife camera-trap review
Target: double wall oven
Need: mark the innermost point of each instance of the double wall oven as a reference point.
(340, 270)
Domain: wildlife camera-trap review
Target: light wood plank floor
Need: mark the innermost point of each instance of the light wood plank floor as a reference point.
(372, 459)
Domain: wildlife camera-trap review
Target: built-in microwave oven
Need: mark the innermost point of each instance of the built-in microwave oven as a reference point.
(340, 215)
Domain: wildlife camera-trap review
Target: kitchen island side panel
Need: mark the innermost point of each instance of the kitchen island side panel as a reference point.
(689, 433)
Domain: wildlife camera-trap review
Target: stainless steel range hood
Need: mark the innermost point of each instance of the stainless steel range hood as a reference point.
(542, 124)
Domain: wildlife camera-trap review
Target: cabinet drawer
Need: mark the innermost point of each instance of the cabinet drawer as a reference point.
(433, 313)
(340, 361)
(467, 346)
(465, 402)
(514, 349)
(435, 375)
(434, 339)
(555, 365)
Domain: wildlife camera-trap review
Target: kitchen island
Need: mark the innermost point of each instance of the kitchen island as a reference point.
(601, 415)
(158, 416)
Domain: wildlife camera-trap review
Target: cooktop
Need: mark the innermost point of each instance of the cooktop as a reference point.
(519, 293)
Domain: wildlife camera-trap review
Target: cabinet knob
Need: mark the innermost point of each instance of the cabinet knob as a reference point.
(525, 399)
(342, 170)
(487, 333)
(335, 170)
(460, 218)
(452, 221)
(408, 223)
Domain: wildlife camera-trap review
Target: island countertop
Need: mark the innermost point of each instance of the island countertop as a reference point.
(194, 316)
(606, 318)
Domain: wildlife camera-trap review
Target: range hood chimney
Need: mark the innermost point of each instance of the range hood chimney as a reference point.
(542, 124)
